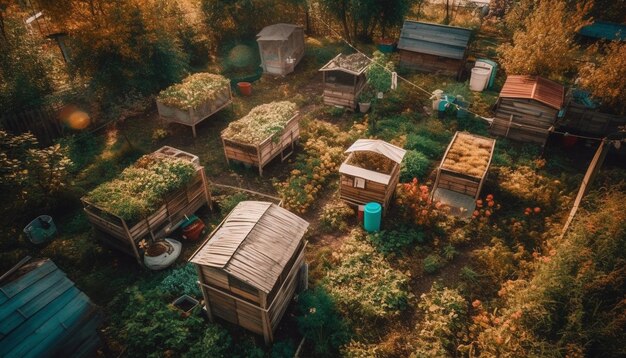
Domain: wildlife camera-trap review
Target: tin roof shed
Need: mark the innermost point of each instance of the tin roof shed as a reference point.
(42, 314)
(538, 88)
(434, 39)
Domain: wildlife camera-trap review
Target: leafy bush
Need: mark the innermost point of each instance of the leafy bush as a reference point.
(334, 215)
(30, 176)
(433, 263)
(283, 349)
(443, 325)
(528, 186)
(216, 342)
(229, 202)
(414, 165)
(396, 241)
(181, 281)
(425, 145)
(414, 205)
(82, 149)
(320, 322)
(364, 285)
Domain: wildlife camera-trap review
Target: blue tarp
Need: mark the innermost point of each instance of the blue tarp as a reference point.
(605, 30)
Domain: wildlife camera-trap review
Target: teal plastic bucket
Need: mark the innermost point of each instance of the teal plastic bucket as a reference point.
(372, 215)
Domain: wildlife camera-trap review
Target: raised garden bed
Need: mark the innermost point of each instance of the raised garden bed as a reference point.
(267, 131)
(147, 200)
(195, 99)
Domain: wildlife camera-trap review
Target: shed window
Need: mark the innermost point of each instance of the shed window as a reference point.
(359, 183)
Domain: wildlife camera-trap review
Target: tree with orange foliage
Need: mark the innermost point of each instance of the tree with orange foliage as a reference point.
(605, 79)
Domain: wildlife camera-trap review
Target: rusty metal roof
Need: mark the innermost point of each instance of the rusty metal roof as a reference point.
(534, 87)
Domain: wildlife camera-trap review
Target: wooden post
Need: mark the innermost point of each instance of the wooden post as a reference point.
(267, 323)
(130, 239)
(205, 185)
(205, 294)
(508, 128)
(258, 153)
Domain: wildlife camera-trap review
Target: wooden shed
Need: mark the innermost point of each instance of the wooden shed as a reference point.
(527, 108)
(126, 235)
(371, 172)
(344, 79)
(281, 47)
(433, 48)
(269, 130)
(463, 170)
(43, 314)
(195, 99)
(250, 266)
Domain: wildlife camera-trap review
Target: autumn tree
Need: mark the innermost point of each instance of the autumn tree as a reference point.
(24, 66)
(545, 44)
(605, 79)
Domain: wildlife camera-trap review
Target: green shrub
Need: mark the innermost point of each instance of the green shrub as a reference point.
(216, 342)
(319, 322)
(334, 216)
(425, 145)
(364, 285)
(283, 349)
(468, 275)
(433, 263)
(414, 165)
(396, 241)
(443, 324)
(449, 252)
(181, 281)
(472, 124)
(82, 149)
(229, 202)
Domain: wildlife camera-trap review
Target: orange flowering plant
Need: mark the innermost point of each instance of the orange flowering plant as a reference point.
(414, 203)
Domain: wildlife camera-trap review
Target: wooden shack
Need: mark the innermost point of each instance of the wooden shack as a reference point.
(126, 235)
(195, 99)
(43, 314)
(281, 47)
(253, 139)
(344, 79)
(371, 172)
(527, 108)
(433, 48)
(250, 266)
(462, 172)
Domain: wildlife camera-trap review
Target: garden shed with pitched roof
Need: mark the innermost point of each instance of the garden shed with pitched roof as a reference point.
(527, 108)
(281, 47)
(344, 79)
(436, 48)
(250, 266)
(43, 314)
(371, 172)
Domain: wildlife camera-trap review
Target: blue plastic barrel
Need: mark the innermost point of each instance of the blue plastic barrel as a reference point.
(372, 216)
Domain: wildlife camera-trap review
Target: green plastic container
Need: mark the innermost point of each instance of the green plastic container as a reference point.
(372, 215)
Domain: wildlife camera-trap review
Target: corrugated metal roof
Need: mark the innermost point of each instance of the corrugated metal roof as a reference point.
(534, 87)
(434, 39)
(254, 243)
(276, 32)
(43, 314)
(605, 30)
(378, 146)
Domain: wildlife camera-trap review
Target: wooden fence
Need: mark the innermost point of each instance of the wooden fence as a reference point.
(42, 122)
(579, 118)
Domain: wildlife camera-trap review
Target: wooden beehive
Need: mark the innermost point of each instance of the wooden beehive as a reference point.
(262, 153)
(359, 184)
(343, 83)
(250, 266)
(126, 235)
(464, 167)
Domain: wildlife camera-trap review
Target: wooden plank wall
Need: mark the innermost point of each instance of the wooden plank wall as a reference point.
(531, 120)
(373, 192)
(429, 63)
(342, 95)
(589, 121)
(43, 123)
(458, 183)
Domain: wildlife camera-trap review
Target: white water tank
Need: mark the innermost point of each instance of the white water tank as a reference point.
(479, 79)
